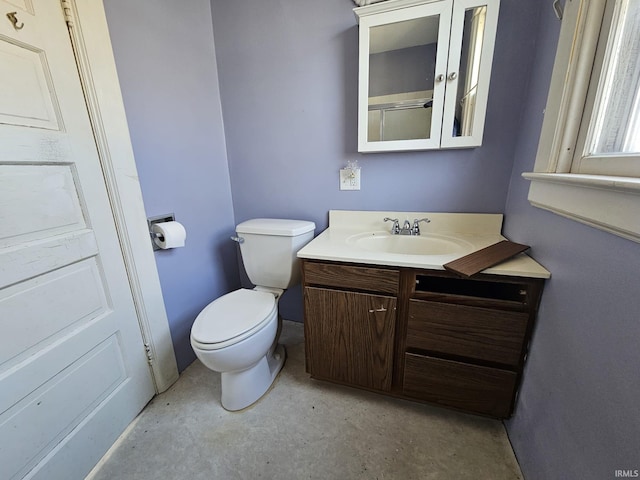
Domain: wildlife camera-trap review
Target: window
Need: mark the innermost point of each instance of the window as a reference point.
(588, 162)
(610, 142)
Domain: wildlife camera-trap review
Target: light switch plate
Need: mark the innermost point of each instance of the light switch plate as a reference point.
(349, 179)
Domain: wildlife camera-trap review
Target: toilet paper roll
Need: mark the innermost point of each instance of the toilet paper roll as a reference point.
(169, 234)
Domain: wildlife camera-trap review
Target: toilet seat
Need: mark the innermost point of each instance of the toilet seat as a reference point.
(232, 318)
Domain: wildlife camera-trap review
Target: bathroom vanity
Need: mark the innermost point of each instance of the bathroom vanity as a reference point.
(399, 324)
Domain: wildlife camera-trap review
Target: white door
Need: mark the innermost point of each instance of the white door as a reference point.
(73, 369)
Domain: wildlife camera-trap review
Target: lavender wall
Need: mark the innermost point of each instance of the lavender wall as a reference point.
(288, 75)
(165, 56)
(578, 413)
(288, 79)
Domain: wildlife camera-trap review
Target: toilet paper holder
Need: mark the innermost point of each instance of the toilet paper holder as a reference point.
(168, 217)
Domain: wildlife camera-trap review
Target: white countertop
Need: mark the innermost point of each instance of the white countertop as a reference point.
(470, 231)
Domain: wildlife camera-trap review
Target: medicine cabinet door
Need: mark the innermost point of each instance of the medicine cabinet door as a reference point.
(403, 60)
(473, 30)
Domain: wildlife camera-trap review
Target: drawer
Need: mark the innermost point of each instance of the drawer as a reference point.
(373, 279)
(485, 334)
(483, 390)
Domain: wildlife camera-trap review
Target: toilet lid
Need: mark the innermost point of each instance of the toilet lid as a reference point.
(232, 315)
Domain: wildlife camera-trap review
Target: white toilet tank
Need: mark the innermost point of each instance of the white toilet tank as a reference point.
(269, 247)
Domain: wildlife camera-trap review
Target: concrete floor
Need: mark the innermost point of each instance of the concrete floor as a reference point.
(302, 429)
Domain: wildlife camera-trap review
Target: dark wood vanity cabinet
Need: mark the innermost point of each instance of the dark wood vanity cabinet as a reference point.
(420, 334)
(349, 333)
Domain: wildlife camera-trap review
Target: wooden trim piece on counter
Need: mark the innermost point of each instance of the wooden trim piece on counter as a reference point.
(484, 258)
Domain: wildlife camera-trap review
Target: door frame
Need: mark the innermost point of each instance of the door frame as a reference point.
(89, 33)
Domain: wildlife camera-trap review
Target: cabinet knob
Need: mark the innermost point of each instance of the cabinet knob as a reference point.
(440, 78)
(453, 76)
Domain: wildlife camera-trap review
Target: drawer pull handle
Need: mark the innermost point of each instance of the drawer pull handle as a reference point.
(381, 309)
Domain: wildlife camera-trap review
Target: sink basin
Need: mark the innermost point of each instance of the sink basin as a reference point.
(425, 244)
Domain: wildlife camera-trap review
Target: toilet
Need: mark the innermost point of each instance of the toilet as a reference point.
(237, 334)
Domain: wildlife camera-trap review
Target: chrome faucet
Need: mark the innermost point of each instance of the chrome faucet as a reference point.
(406, 229)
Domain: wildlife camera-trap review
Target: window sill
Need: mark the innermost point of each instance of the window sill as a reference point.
(608, 203)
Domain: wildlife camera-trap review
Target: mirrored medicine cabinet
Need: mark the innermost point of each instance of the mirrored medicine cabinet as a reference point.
(424, 72)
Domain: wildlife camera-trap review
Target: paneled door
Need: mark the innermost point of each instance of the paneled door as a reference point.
(73, 368)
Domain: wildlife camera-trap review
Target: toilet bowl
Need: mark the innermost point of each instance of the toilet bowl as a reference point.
(237, 334)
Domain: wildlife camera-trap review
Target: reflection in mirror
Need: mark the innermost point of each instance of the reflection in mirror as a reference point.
(402, 58)
(473, 36)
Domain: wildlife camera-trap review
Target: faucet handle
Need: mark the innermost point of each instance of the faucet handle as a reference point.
(395, 228)
(416, 225)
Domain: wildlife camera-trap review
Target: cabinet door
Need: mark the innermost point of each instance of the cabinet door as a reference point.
(403, 61)
(473, 31)
(349, 337)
